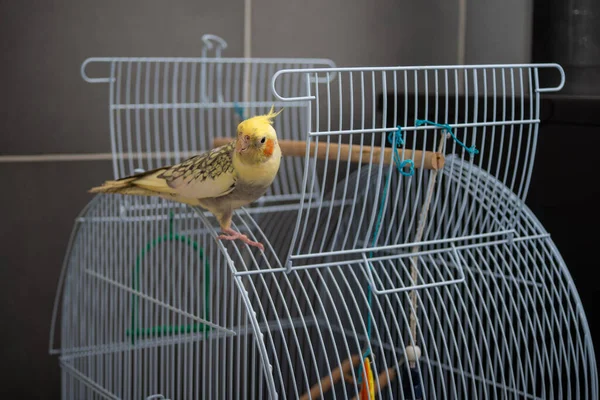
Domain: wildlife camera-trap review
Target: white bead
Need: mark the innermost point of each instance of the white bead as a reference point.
(412, 353)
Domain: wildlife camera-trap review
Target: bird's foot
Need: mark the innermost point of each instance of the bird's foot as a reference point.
(233, 235)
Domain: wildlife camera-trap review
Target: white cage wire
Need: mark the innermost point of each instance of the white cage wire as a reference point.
(392, 229)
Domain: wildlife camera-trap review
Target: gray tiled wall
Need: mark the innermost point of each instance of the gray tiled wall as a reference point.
(39, 209)
(46, 107)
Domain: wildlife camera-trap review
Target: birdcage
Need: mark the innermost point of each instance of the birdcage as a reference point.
(400, 260)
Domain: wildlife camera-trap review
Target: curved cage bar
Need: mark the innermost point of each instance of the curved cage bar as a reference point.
(164, 110)
(160, 315)
(487, 115)
(510, 326)
(395, 242)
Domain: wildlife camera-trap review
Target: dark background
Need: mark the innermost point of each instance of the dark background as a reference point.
(47, 108)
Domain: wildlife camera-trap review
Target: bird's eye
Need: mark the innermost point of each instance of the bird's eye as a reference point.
(263, 139)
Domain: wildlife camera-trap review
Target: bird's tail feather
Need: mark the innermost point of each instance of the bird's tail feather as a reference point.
(127, 185)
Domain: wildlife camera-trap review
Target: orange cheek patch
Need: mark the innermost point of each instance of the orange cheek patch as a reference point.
(269, 147)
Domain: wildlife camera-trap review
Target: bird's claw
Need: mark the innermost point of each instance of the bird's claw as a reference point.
(233, 235)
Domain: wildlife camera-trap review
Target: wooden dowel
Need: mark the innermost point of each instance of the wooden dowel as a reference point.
(328, 381)
(383, 379)
(427, 159)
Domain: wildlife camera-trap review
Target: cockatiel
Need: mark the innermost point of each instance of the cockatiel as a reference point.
(221, 180)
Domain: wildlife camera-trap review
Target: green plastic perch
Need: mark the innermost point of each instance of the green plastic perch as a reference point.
(161, 330)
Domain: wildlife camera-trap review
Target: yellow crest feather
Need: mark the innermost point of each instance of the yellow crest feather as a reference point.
(271, 115)
(260, 119)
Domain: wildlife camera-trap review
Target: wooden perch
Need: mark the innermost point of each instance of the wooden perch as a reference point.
(431, 160)
(328, 381)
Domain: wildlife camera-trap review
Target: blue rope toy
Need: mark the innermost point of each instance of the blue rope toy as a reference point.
(448, 128)
(395, 138)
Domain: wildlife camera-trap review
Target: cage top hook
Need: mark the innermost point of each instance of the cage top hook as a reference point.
(208, 38)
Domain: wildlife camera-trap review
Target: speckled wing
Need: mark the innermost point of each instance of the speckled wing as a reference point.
(203, 176)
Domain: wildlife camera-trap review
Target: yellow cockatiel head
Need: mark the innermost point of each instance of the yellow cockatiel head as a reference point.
(257, 138)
